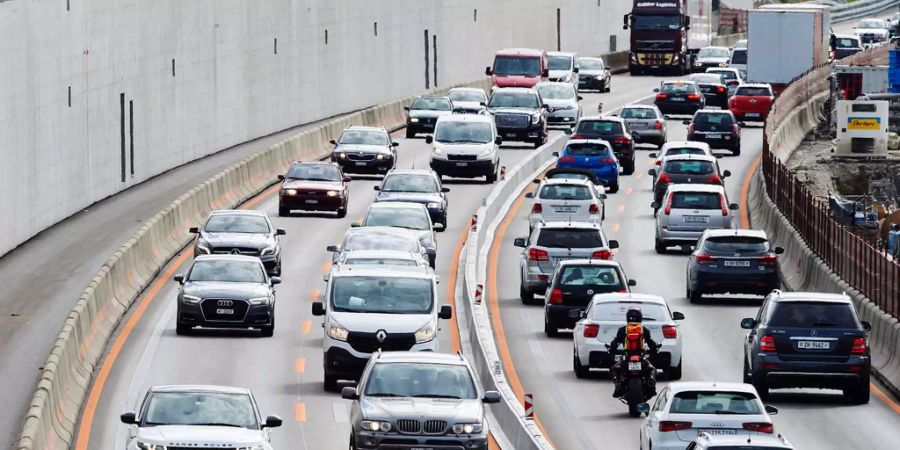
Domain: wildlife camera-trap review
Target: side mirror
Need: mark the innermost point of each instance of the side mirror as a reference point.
(332, 249)
(498, 140)
(733, 206)
(529, 195)
(613, 244)
(179, 278)
(273, 422)
(347, 179)
(194, 230)
(377, 188)
(280, 232)
(778, 250)
(275, 280)
(654, 205)
(575, 314)
(602, 196)
(429, 139)
(677, 316)
(655, 89)
(771, 410)
(686, 121)
(866, 325)
(653, 155)
(536, 181)
(741, 124)
(280, 177)
(326, 277)
(128, 418)
(438, 227)
(488, 71)
(555, 153)
(491, 397)
(356, 224)
(643, 408)
(519, 242)
(576, 70)
(446, 312)
(349, 393)
(395, 144)
(406, 108)
(445, 189)
(748, 323)
(580, 98)
(318, 309)
(651, 172)
(333, 142)
(632, 283)
(726, 174)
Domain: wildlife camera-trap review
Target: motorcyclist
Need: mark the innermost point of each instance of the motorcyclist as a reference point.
(633, 337)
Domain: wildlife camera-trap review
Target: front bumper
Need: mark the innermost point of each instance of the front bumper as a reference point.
(532, 133)
(807, 374)
(591, 83)
(310, 203)
(563, 117)
(255, 317)
(455, 168)
(736, 283)
(344, 362)
(390, 441)
(372, 166)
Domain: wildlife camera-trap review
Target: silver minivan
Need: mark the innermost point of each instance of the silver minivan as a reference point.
(687, 210)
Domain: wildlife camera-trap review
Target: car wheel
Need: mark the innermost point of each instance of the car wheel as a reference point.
(628, 168)
(660, 247)
(758, 381)
(443, 220)
(410, 134)
(550, 330)
(608, 86)
(858, 394)
(331, 383)
(352, 442)
(538, 143)
(695, 296)
(736, 151)
(580, 370)
(747, 378)
(277, 271)
(614, 188)
(491, 177)
(283, 212)
(674, 373)
(183, 330)
(526, 295)
(342, 212)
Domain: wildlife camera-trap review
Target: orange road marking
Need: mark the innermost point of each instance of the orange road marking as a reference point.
(885, 398)
(455, 343)
(621, 208)
(300, 412)
(492, 442)
(314, 295)
(306, 326)
(639, 175)
(616, 227)
(628, 190)
(299, 365)
(326, 266)
(249, 204)
(745, 192)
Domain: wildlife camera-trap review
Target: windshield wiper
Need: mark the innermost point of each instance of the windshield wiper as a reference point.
(217, 424)
(437, 396)
(385, 394)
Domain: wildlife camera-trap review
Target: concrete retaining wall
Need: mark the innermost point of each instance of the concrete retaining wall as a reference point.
(190, 78)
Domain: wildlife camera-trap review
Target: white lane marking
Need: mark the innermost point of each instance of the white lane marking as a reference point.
(341, 414)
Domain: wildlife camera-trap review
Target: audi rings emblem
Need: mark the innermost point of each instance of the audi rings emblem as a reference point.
(224, 303)
(381, 335)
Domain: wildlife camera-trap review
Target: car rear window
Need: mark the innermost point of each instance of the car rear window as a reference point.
(847, 43)
(739, 57)
(615, 312)
(714, 402)
(591, 276)
(599, 128)
(587, 150)
(565, 192)
(678, 88)
(737, 244)
(689, 168)
(696, 200)
(812, 314)
(638, 113)
(750, 91)
(726, 74)
(685, 151)
(723, 119)
(570, 238)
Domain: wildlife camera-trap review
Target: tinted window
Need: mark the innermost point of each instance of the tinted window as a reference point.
(392, 295)
(558, 62)
(689, 168)
(434, 104)
(421, 380)
(517, 65)
(713, 52)
(236, 223)
(565, 192)
(411, 218)
(409, 183)
(615, 312)
(590, 63)
(556, 91)
(737, 244)
(227, 271)
(362, 137)
(570, 238)
(753, 91)
(587, 150)
(739, 57)
(638, 113)
(642, 22)
(314, 172)
(723, 119)
(200, 408)
(696, 200)
(514, 100)
(712, 402)
(381, 241)
(847, 43)
(811, 314)
(466, 96)
(463, 132)
(591, 276)
(678, 88)
(591, 128)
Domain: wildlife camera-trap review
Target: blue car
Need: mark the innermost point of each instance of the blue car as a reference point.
(595, 155)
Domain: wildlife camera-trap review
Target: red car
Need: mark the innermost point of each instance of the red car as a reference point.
(313, 186)
(519, 67)
(751, 102)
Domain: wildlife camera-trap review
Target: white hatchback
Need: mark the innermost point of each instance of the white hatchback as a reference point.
(564, 200)
(606, 314)
(684, 410)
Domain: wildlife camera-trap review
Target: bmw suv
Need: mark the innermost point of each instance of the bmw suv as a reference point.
(808, 339)
(418, 400)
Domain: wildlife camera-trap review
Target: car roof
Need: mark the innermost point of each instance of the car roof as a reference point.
(421, 357)
(755, 85)
(706, 158)
(590, 57)
(466, 89)
(466, 118)
(384, 271)
(383, 254)
(382, 230)
(227, 257)
(722, 69)
(716, 46)
(683, 386)
(702, 76)
(816, 297)
(602, 117)
(677, 82)
(684, 187)
(397, 205)
(516, 90)
(439, 97)
(713, 111)
(640, 107)
(314, 163)
(721, 232)
(365, 128)
(847, 36)
(620, 297)
(572, 54)
(200, 388)
(680, 144)
(588, 141)
(237, 212)
(552, 83)
(519, 51)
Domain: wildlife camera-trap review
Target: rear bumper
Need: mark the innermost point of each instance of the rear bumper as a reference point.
(737, 283)
(686, 108)
(728, 141)
(806, 374)
(751, 116)
(650, 136)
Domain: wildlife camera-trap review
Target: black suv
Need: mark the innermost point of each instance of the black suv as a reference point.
(418, 400)
(520, 115)
(808, 339)
(717, 128)
(573, 285)
(613, 130)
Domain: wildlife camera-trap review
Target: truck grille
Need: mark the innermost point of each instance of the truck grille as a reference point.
(216, 309)
(368, 343)
(408, 426)
(435, 426)
(235, 251)
(655, 59)
(512, 120)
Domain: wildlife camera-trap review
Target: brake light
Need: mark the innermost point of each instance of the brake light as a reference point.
(724, 205)
(594, 209)
(759, 427)
(703, 258)
(601, 254)
(567, 159)
(735, 129)
(622, 140)
(714, 179)
(538, 255)
(671, 425)
(591, 330)
(670, 332)
(859, 346)
(769, 259)
(537, 208)
(693, 97)
(658, 125)
(767, 344)
(658, 162)
(663, 178)
(691, 128)
(662, 96)
(577, 136)
(669, 204)
(608, 161)
(720, 89)
(555, 297)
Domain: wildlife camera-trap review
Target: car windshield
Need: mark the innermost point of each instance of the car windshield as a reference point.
(421, 380)
(668, 22)
(678, 88)
(431, 104)
(590, 64)
(685, 151)
(410, 218)
(871, 23)
(560, 62)
(381, 241)
(592, 128)
(713, 52)
(570, 238)
(410, 183)
(557, 91)
(314, 172)
(736, 244)
(715, 402)
(229, 271)
(739, 56)
(236, 223)
(379, 262)
(750, 91)
(689, 168)
(385, 295)
(565, 192)
(847, 43)
(517, 65)
(696, 200)
(463, 132)
(514, 100)
(726, 74)
(466, 96)
(361, 137)
(638, 113)
(615, 312)
(200, 408)
(812, 314)
(587, 149)
(591, 276)
(704, 120)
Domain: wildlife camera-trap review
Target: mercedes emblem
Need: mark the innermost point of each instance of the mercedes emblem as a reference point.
(813, 332)
(381, 335)
(590, 292)
(235, 251)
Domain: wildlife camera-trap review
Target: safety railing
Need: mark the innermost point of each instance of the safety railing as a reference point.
(862, 8)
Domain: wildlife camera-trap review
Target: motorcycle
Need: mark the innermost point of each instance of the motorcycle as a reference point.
(638, 381)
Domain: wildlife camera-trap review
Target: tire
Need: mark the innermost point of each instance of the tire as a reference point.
(674, 373)
(736, 151)
(695, 296)
(762, 387)
(277, 271)
(410, 134)
(628, 169)
(352, 445)
(331, 383)
(491, 177)
(183, 330)
(443, 220)
(283, 212)
(580, 370)
(614, 188)
(634, 396)
(342, 212)
(539, 143)
(607, 87)
(660, 247)
(747, 378)
(526, 295)
(633, 72)
(859, 394)
(549, 329)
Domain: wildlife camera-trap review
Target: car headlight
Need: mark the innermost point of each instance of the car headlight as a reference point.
(489, 151)
(332, 193)
(414, 119)
(433, 205)
(336, 331)
(203, 247)
(600, 77)
(437, 151)
(148, 446)
(190, 299)
(467, 428)
(376, 425)
(341, 155)
(425, 334)
(698, 64)
(536, 119)
(269, 250)
(259, 301)
(289, 192)
(723, 64)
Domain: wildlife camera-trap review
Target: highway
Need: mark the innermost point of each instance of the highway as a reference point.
(285, 372)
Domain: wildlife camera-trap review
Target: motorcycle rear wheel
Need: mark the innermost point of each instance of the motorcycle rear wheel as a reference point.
(634, 395)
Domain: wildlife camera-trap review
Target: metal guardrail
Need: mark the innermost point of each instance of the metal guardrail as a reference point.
(860, 9)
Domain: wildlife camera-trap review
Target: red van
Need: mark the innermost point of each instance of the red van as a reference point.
(519, 67)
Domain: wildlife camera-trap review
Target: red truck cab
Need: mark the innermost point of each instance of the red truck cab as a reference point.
(751, 102)
(519, 67)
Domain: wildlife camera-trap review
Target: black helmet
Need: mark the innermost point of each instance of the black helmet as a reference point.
(634, 315)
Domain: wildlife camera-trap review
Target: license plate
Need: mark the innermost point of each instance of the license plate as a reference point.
(717, 431)
(634, 366)
(751, 115)
(737, 263)
(727, 138)
(312, 202)
(225, 312)
(360, 163)
(565, 209)
(461, 164)
(423, 448)
(814, 345)
(510, 135)
(677, 99)
(696, 219)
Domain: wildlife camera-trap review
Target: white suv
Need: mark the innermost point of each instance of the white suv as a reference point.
(379, 307)
(564, 199)
(465, 145)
